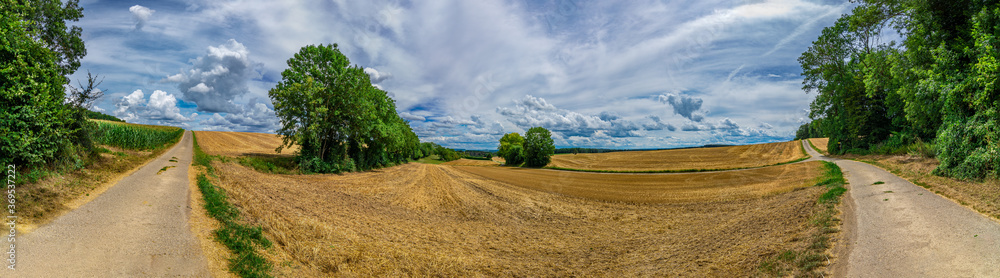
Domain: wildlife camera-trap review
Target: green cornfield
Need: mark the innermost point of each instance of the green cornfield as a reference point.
(135, 136)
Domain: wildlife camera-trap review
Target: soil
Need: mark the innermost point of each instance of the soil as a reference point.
(732, 157)
(422, 220)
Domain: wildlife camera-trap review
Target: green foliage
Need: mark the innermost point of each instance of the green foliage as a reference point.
(512, 149)
(970, 136)
(809, 130)
(33, 119)
(939, 85)
(136, 137)
(340, 120)
(46, 20)
(101, 116)
(446, 154)
(538, 147)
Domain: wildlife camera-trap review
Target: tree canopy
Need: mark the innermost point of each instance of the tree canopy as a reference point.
(538, 147)
(511, 149)
(937, 85)
(34, 120)
(340, 120)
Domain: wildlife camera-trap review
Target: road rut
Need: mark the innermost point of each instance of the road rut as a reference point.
(137, 228)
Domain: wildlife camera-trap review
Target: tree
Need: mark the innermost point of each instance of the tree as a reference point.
(538, 147)
(80, 101)
(33, 119)
(47, 24)
(340, 121)
(511, 149)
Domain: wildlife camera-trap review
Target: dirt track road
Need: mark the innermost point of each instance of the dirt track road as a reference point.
(137, 228)
(898, 229)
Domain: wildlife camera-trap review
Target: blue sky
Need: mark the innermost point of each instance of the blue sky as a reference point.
(611, 74)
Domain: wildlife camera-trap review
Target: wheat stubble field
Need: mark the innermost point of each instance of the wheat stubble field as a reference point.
(453, 220)
(731, 157)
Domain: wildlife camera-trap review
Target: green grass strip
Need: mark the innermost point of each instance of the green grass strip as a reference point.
(803, 263)
(241, 239)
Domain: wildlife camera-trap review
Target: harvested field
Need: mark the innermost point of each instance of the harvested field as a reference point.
(471, 162)
(820, 143)
(438, 220)
(241, 143)
(733, 157)
(659, 188)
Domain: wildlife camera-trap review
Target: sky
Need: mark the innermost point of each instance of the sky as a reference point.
(603, 74)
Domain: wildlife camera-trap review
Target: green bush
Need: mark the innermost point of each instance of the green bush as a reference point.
(538, 147)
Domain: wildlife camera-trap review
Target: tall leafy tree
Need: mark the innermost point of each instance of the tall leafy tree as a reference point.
(340, 120)
(511, 149)
(33, 119)
(538, 147)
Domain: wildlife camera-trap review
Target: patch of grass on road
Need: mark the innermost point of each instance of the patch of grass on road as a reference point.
(803, 263)
(240, 238)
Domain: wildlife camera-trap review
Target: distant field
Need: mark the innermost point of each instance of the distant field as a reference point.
(472, 162)
(684, 159)
(439, 220)
(658, 188)
(820, 143)
(240, 143)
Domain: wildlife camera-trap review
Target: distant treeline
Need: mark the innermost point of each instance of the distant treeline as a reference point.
(101, 116)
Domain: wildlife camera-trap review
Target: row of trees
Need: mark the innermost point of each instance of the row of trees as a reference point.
(41, 125)
(939, 84)
(533, 150)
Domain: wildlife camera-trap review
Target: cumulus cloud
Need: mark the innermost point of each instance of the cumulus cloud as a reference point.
(217, 78)
(531, 111)
(684, 105)
(376, 76)
(254, 117)
(728, 127)
(161, 107)
(411, 117)
(658, 124)
(140, 15)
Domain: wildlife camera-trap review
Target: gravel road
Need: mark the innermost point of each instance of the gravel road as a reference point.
(137, 228)
(898, 229)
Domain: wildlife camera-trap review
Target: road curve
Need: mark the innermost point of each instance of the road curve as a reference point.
(137, 228)
(898, 229)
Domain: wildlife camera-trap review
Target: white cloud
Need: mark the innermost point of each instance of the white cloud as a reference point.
(411, 117)
(140, 15)
(161, 107)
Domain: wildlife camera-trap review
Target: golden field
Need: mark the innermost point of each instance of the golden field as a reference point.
(454, 220)
(820, 143)
(731, 157)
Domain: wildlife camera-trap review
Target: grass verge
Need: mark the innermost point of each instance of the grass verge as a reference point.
(805, 261)
(241, 239)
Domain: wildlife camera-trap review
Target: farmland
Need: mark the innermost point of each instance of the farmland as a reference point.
(455, 220)
(732, 157)
(820, 143)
